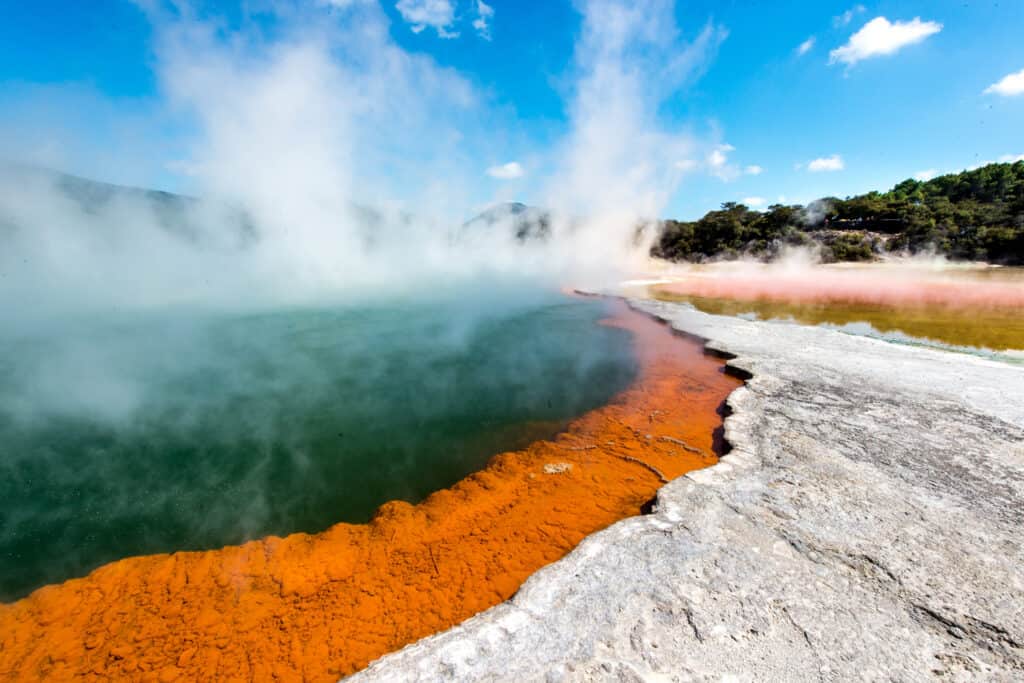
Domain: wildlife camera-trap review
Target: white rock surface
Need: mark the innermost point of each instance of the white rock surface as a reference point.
(868, 524)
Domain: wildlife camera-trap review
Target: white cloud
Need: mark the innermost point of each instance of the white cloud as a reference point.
(847, 16)
(717, 163)
(926, 174)
(881, 37)
(754, 202)
(832, 163)
(436, 14)
(1010, 85)
(509, 171)
(805, 46)
(1004, 159)
(482, 23)
(719, 156)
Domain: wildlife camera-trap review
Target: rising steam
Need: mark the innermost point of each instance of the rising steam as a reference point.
(334, 165)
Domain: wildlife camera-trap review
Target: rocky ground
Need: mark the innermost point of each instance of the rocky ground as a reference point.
(868, 524)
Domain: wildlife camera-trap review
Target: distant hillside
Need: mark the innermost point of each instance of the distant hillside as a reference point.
(526, 222)
(178, 215)
(974, 215)
(192, 220)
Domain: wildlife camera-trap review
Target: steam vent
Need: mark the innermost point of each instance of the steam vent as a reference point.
(317, 607)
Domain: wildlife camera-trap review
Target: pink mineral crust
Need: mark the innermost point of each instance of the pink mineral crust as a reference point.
(892, 287)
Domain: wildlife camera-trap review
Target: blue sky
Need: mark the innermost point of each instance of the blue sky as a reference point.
(880, 91)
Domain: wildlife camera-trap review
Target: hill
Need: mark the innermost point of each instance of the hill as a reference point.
(525, 222)
(973, 215)
(31, 193)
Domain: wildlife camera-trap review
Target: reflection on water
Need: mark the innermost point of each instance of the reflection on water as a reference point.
(959, 306)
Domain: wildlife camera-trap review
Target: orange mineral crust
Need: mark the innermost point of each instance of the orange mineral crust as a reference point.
(315, 607)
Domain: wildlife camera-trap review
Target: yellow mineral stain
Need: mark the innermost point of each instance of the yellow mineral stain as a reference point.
(980, 307)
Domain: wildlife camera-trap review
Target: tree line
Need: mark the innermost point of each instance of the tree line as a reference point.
(975, 215)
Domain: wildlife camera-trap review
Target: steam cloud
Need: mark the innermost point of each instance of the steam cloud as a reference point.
(326, 171)
(330, 167)
(334, 165)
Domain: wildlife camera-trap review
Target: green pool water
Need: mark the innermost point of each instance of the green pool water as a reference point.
(158, 433)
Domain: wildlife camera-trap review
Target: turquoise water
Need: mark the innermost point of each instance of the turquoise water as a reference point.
(152, 434)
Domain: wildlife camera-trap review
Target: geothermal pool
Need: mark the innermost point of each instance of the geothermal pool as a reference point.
(149, 434)
(963, 306)
(318, 606)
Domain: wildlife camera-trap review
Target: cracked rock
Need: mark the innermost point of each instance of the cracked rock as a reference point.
(867, 524)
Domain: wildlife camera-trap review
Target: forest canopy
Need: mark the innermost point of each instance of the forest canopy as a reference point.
(975, 215)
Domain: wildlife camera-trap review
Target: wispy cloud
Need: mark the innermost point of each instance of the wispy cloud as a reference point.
(184, 167)
(1008, 86)
(822, 164)
(846, 17)
(422, 14)
(926, 174)
(1004, 159)
(881, 37)
(509, 171)
(718, 163)
(754, 202)
(805, 46)
(482, 23)
(719, 156)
